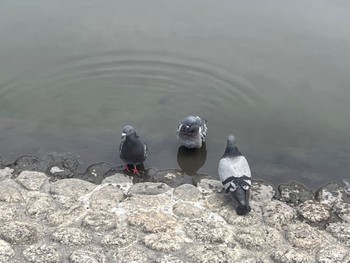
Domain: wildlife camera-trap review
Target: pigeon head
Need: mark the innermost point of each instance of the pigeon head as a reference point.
(231, 140)
(231, 148)
(191, 124)
(127, 131)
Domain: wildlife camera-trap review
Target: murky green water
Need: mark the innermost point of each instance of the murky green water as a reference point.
(274, 73)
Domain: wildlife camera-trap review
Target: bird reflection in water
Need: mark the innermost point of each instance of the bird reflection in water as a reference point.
(191, 160)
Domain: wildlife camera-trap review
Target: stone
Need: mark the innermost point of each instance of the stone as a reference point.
(87, 256)
(100, 221)
(97, 172)
(120, 237)
(32, 181)
(106, 198)
(217, 200)
(5, 173)
(292, 256)
(71, 236)
(262, 192)
(141, 202)
(74, 188)
(303, 236)
(209, 186)
(9, 192)
(41, 205)
(343, 211)
(212, 253)
(333, 254)
(42, 254)
(133, 254)
(295, 193)
(6, 251)
(278, 214)
(148, 188)
(66, 216)
(119, 180)
(187, 210)
(8, 211)
(254, 217)
(16, 232)
(152, 221)
(187, 192)
(341, 231)
(331, 194)
(314, 211)
(165, 242)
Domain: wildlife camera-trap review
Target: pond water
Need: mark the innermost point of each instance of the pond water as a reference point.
(274, 73)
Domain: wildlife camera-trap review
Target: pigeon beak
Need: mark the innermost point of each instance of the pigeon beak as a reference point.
(123, 135)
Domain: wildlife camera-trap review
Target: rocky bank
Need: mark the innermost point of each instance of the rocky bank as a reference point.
(120, 220)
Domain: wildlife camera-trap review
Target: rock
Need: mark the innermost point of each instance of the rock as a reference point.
(292, 256)
(171, 177)
(106, 198)
(343, 211)
(87, 256)
(278, 214)
(9, 211)
(331, 194)
(209, 186)
(66, 216)
(262, 192)
(148, 188)
(304, 236)
(16, 232)
(6, 251)
(71, 236)
(152, 221)
(100, 220)
(32, 181)
(42, 254)
(212, 253)
(295, 193)
(333, 254)
(74, 188)
(165, 242)
(133, 254)
(9, 192)
(5, 173)
(314, 211)
(217, 200)
(229, 214)
(29, 163)
(187, 192)
(119, 238)
(152, 201)
(121, 181)
(40, 205)
(96, 173)
(187, 210)
(341, 231)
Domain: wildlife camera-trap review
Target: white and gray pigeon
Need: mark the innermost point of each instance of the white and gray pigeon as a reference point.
(192, 131)
(235, 175)
(133, 151)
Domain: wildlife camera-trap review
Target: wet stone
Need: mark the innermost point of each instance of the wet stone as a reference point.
(331, 194)
(303, 236)
(212, 253)
(278, 214)
(100, 221)
(9, 193)
(6, 251)
(148, 188)
(333, 254)
(16, 232)
(71, 236)
(187, 210)
(32, 181)
(106, 198)
(41, 205)
(314, 211)
(165, 242)
(152, 221)
(87, 256)
(187, 192)
(119, 238)
(42, 254)
(71, 187)
(292, 256)
(295, 193)
(341, 231)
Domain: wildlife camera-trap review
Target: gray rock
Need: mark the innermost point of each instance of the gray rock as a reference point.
(187, 210)
(303, 236)
(120, 237)
(292, 256)
(133, 254)
(331, 194)
(100, 221)
(343, 211)
(8, 211)
(217, 200)
(232, 218)
(66, 216)
(314, 211)
(141, 202)
(152, 221)
(119, 180)
(16, 232)
(212, 253)
(209, 186)
(187, 192)
(262, 192)
(341, 231)
(6, 251)
(71, 236)
(40, 205)
(295, 193)
(9, 192)
(71, 187)
(32, 181)
(148, 188)
(165, 242)
(42, 254)
(333, 254)
(87, 256)
(5, 173)
(106, 198)
(278, 214)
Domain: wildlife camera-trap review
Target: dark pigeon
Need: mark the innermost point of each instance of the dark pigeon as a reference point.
(133, 151)
(192, 132)
(235, 175)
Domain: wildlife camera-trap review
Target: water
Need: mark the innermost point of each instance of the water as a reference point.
(276, 74)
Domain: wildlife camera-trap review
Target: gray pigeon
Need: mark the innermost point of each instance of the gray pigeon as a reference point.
(192, 131)
(133, 151)
(234, 173)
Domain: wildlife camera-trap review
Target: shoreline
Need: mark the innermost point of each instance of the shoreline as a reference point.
(170, 220)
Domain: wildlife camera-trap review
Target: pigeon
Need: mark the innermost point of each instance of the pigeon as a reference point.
(235, 175)
(192, 131)
(133, 151)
